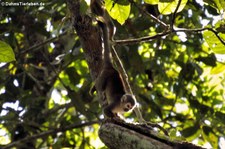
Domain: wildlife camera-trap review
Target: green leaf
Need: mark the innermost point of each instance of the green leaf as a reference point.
(73, 75)
(218, 69)
(121, 2)
(220, 116)
(6, 52)
(218, 4)
(169, 6)
(118, 11)
(209, 135)
(190, 131)
(214, 43)
(209, 60)
(220, 26)
(83, 7)
(152, 2)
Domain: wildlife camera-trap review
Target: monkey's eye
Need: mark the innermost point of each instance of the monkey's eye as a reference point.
(128, 106)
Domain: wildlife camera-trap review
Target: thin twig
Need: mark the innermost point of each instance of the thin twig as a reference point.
(200, 30)
(150, 15)
(142, 39)
(39, 45)
(149, 38)
(174, 15)
(122, 71)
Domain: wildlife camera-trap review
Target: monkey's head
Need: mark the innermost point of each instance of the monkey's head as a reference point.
(128, 102)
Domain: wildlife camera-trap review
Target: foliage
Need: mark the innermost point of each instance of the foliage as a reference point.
(6, 52)
(177, 72)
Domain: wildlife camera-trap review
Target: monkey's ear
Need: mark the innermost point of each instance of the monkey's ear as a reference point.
(123, 99)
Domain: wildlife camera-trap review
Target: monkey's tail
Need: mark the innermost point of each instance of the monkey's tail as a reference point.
(106, 40)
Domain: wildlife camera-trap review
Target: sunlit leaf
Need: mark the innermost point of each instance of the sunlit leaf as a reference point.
(218, 69)
(117, 11)
(6, 52)
(169, 6)
(214, 43)
(153, 2)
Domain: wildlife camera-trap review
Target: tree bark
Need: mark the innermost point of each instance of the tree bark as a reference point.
(120, 135)
(89, 36)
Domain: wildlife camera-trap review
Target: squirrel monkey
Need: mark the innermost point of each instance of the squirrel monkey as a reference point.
(109, 81)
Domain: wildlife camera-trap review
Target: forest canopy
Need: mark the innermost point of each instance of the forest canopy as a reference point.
(172, 51)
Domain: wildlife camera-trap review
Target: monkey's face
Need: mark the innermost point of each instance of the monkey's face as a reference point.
(128, 102)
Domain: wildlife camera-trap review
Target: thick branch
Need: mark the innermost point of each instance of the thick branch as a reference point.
(124, 138)
(130, 136)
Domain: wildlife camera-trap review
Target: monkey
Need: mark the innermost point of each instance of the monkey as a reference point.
(109, 81)
(111, 84)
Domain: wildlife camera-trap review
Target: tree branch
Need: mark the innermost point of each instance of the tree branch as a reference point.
(130, 136)
(49, 132)
(140, 40)
(200, 30)
(166, 33)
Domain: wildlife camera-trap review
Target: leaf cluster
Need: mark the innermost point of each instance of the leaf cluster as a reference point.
(173, 52)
